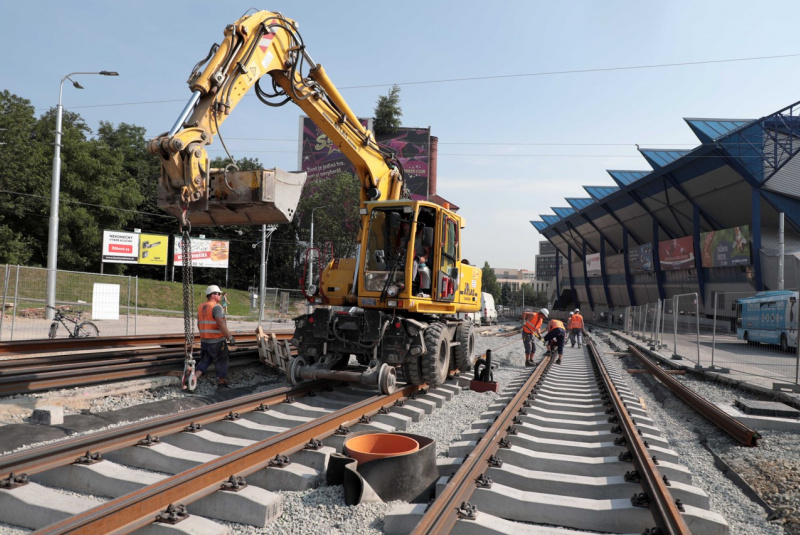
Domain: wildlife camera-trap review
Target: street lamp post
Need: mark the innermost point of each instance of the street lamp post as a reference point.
(311, 262)
(52, 236)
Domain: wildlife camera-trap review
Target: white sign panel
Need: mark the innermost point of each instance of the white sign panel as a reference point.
(593, 265)
(105, 301)
(120, 247)
(205, 253)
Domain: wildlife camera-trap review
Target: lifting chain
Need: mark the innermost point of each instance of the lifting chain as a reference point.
(189, 380)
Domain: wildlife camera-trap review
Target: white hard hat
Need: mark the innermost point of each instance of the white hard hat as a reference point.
(571, 313)
(576, 311)
(213, 288)
(545, 311)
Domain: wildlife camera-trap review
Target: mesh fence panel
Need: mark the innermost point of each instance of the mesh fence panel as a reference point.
(685, 327)
(281, 305)
(763, 343)
(24, 298)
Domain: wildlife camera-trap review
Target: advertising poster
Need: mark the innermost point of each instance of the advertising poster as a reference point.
(120, 247)
(726, 247)
(321, 158)
(205, 253)
(593, 265)
(412, 148)
(640, 259)
(153, 249)
(676, 254)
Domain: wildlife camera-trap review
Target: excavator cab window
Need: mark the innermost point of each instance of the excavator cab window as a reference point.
(448, 269)
(387, 247)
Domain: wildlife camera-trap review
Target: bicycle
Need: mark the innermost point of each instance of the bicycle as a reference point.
(85, 329)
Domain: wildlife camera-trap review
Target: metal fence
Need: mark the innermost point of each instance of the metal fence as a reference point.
(78, 295)
(721, 341)
(281, 305)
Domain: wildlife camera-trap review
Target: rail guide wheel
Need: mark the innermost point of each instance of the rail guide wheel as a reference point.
(293, 370)
(387, 379)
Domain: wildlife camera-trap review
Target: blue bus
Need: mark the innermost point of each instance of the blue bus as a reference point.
(768, 318)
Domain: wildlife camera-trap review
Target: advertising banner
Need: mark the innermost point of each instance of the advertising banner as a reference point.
(593, 265)
(205, 253)
(120, 247)
(640, 259)
(153, 249)
(726, 247)
(412, 148)
(676, 254)
(320, 158)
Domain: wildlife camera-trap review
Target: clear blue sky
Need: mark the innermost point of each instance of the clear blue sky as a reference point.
(510, 147)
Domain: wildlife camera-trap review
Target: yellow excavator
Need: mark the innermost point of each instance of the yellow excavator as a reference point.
(393, 307)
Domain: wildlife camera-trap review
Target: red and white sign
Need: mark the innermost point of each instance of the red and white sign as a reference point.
(205, 253)
(120, 247)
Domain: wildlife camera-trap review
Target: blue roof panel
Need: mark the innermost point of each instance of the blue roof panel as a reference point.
(626, 178)
(599, 192)
(708, 130)
(550, 219)
(662, 157)
(563, 213)
(539, 225)
(579, 204)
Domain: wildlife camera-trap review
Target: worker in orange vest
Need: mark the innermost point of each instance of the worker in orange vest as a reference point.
(556, 332)
(214, 337)
(576, 328)
(531, 325)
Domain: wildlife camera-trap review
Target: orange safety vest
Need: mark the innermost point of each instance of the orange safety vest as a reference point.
(555, 324)
(209, 329)
(533, 321)
(569, 323)
(577, 321)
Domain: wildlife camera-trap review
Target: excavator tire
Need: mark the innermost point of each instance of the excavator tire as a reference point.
(436, 360)
(412, 371)
(465, 336)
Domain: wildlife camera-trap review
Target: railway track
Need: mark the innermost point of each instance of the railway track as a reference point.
(222, 462)
(69, 363)
(568, 446)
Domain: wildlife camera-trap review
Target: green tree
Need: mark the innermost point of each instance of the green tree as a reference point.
(505, 294)
(388, 112)
(489, 281)
(336, 220)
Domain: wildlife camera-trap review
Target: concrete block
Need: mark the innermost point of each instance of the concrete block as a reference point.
(438, 399)
(291, 477)
(252, 505)
(33, 506)
(402, 518)
(161, 457)
(48, 415)
(448, 466)
(206, 441)
(441, 483)
(462, 448)
(100, 479)
(246, 429)
(315, 459)
(194, 525)
(276, 418)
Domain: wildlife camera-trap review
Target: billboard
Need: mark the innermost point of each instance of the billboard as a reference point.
(134, 248)
(205, 253)
(676, 254)
(412, 147)
(320, 158)
(640, 259)
(593, 265)
(726, 247)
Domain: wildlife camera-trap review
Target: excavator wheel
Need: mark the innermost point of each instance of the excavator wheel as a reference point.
(436, 360)
(412, 371)
(465, 336)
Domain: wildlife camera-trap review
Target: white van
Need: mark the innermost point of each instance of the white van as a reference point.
(474, 317)
(488, 311)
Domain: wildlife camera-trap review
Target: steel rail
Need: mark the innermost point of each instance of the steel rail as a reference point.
(442, 515)
(48, 456)
(78, 344)
(665, 511)
(22, 383)
(735, 428)
(139, 508)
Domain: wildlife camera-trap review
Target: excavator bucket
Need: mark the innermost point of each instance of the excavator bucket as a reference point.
(258, 197)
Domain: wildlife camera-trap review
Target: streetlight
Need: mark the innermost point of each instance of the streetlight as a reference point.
(52, 236)
(311, 249)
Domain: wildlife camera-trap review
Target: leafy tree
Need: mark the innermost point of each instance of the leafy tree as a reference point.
(505, 294)
(336, 220)
(388, 112)
(489, 281)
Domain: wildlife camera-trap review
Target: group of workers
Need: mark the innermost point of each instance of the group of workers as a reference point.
(533, 325)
